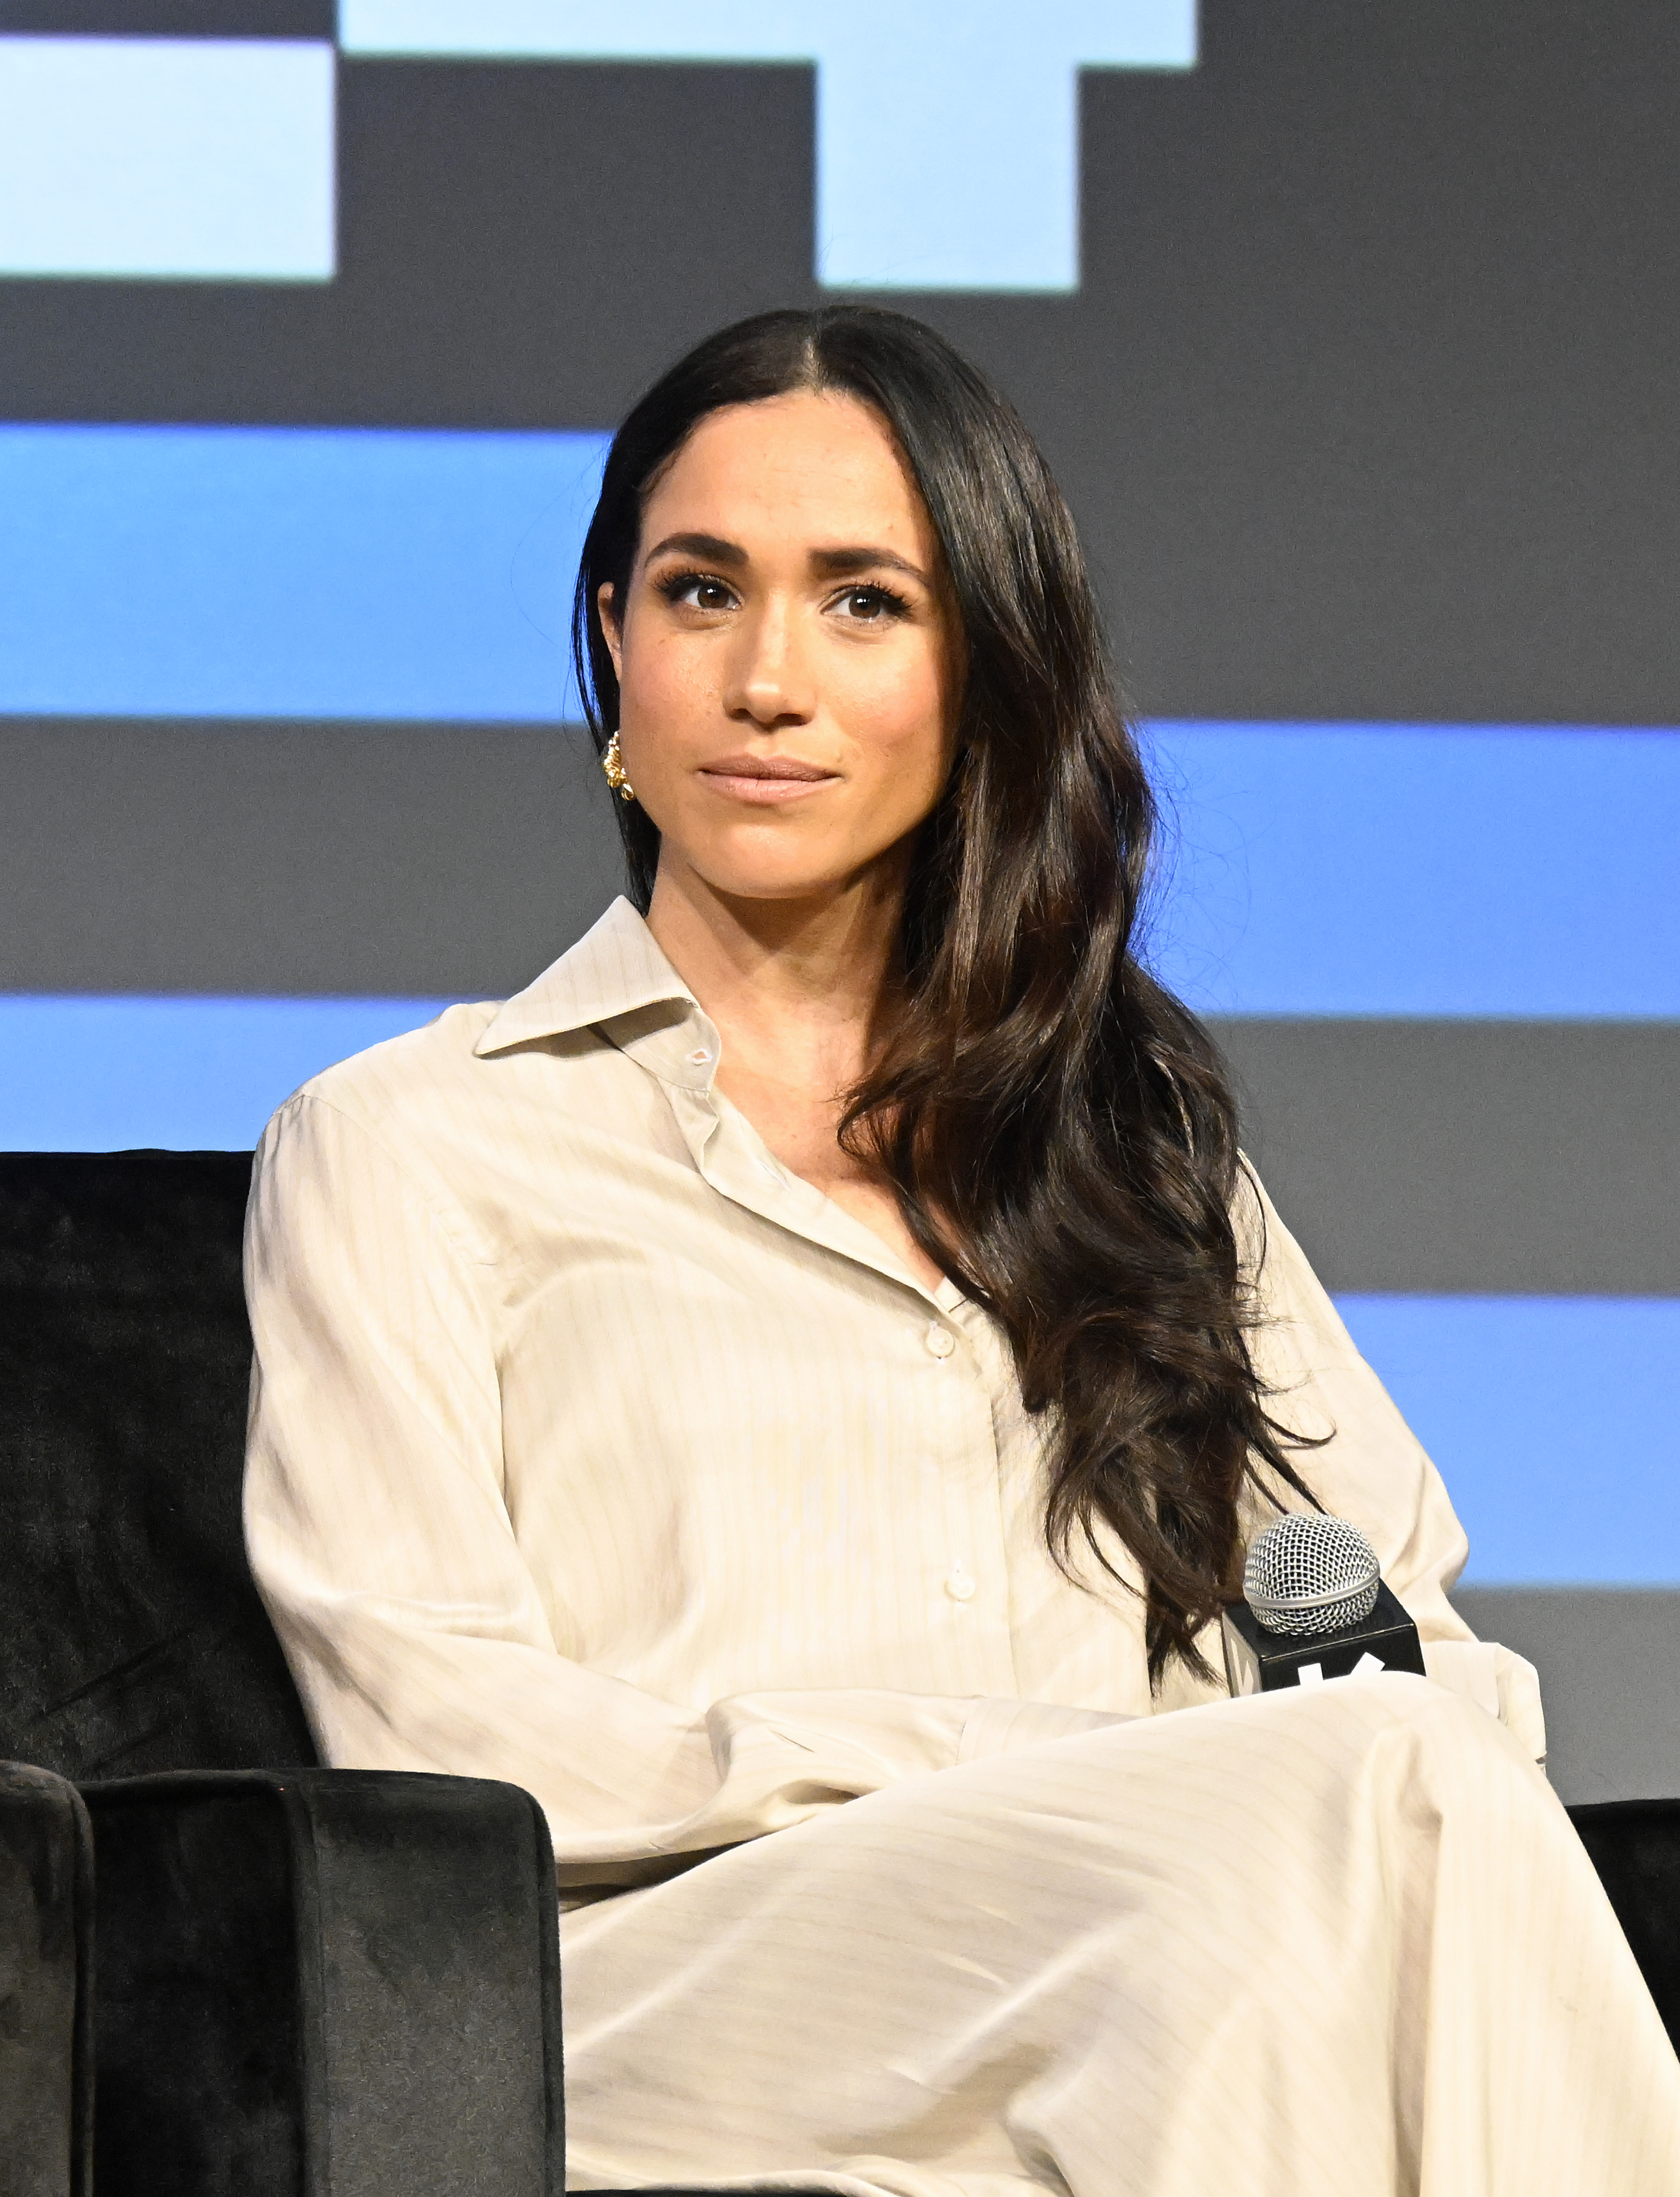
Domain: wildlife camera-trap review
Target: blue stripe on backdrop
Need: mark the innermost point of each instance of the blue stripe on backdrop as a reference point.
(1551, 1418)
(1553, 1422)
(283, 571)
(192, 1075)
(1420, 870)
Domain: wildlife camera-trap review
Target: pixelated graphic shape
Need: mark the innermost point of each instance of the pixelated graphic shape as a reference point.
(947, 136)
(169, 159)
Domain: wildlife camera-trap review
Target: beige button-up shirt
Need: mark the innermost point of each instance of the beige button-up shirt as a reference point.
(592, 1449)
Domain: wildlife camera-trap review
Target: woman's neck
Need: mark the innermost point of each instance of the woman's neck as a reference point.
(796, 987)
(797, 990)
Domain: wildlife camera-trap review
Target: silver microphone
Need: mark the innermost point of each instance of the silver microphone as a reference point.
(1314, 1607)
(1308, 1573)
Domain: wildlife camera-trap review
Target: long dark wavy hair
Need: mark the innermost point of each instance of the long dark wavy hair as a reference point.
(1057, 1129)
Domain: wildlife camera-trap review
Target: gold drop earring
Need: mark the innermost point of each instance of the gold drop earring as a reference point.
(613, 764)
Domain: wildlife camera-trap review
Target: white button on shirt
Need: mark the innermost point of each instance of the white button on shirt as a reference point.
(584, 1457)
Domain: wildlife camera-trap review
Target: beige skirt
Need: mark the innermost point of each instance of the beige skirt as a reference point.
(1334, 1944)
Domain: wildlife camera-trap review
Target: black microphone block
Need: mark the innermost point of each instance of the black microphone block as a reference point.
(1259, 1661)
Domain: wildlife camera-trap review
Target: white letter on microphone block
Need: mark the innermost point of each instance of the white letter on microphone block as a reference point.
(1310, 1674)
(168, 158)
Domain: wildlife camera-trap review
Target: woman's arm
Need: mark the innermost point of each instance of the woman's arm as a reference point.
(379, 1536)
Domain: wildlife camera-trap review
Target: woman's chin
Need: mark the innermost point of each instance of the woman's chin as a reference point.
(748, 874)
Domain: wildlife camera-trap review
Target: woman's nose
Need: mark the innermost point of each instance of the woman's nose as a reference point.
(769, 679)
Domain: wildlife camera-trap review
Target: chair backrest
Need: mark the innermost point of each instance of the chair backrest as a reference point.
(131, 1638)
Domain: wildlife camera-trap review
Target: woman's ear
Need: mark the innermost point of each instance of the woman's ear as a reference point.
(606, 609)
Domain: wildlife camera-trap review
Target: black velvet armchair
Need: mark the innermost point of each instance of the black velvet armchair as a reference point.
(300, 1980)
(230, 1970)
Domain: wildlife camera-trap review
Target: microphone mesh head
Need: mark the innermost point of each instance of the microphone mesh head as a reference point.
(1308, 1573)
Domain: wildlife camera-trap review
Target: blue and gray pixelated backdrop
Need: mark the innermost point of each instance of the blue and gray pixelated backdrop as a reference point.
(1353, 331)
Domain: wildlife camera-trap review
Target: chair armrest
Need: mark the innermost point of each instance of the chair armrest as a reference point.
(1634, 1846)
(323, 1980)
(46, 1936)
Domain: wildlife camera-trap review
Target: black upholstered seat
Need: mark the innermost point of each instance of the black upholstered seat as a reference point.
(133, 1638)
(306, 1979)
(46, 2008)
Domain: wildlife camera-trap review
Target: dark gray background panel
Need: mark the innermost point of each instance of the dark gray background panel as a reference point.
(1369, 403)
(171, 18)
(429, 861)
(1607, 1658)
(1490, 1158)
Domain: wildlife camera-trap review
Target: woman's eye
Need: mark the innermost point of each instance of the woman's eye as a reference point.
(694, 591)
(870, 605)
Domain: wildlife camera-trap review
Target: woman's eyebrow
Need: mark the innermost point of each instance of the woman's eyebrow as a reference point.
(839, 564)
(843, 564)
(711, 547)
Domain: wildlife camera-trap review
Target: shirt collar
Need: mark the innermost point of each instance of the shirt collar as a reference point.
(616, 974)
(616, 979)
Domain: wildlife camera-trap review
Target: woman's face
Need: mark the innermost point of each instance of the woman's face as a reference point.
(786, 667)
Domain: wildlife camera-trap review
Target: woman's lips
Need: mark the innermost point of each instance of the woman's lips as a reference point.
(767, 781)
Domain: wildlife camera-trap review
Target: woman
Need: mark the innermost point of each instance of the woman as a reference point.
(810, 1365)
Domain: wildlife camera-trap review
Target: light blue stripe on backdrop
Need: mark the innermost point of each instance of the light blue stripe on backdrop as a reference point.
(1421, 870)
(190, 1075)
(289, 572)
(173, 158)
(1553, 1422)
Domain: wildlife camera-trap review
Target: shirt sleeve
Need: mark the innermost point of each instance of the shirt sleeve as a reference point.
(1371, 1469)
(381, 1539)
